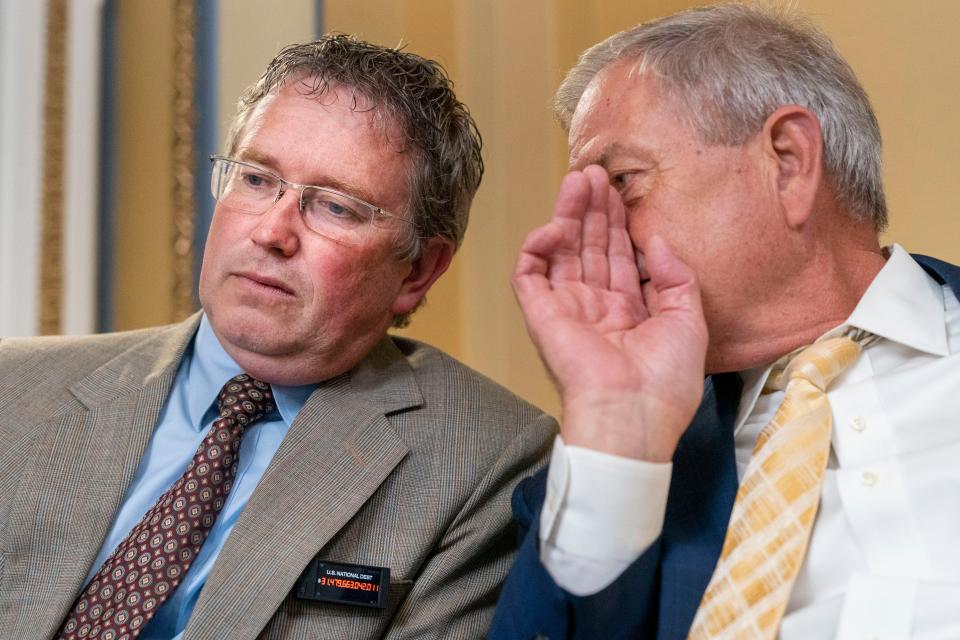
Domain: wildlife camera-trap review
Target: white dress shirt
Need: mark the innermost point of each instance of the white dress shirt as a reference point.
(884, 556)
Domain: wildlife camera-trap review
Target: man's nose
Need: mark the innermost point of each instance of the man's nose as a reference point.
(279, 227)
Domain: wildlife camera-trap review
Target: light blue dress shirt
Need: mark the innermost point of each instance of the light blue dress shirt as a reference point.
(184, 421)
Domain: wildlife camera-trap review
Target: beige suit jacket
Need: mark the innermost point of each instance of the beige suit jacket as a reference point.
(405, 462)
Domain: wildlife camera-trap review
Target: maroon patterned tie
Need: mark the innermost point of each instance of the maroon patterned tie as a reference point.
(150, 562)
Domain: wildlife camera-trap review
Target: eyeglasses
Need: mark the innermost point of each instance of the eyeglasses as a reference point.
(251, 189)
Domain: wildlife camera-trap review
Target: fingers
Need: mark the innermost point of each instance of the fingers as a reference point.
(561, 241)
(561, 235)
(530, 274)
(585, 241)
(553, 250)
(529, 284)
(573, 197)
(596, 229)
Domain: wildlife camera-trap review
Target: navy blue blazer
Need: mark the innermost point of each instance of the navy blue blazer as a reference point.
(658, 595)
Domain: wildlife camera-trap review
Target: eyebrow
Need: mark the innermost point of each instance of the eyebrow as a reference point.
(605, 156)
(249, 154)
(618, 148)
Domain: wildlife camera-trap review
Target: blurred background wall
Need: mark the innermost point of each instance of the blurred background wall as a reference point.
(109, 109)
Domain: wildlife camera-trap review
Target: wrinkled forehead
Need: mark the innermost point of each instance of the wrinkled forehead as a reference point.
(627, 95)
(632, 75)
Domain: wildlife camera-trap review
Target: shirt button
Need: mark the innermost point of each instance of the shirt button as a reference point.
(858, 424)
(869, 478)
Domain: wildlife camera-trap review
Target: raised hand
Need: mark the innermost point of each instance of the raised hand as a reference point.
(626, 357)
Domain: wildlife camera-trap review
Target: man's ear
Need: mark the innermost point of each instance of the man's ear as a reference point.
(795, 145)
(424, 271)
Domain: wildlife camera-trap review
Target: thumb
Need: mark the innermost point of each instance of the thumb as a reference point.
(676, 285)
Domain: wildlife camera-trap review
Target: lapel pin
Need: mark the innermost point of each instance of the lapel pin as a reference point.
(341, 583)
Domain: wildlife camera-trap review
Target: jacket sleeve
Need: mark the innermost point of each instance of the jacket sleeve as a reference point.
(532, 605)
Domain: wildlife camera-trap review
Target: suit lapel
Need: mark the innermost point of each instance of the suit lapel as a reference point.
(699, 506)
(337, 453)
(85, 463)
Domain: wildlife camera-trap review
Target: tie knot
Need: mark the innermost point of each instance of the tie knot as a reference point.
(245, 399)
(818, 363)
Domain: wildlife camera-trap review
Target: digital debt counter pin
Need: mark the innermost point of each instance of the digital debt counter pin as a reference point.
(350, 584)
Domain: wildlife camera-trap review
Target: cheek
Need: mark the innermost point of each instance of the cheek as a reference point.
(221, 236)
(658, 214)
(210, 263)
(349, 276)
(214, 255)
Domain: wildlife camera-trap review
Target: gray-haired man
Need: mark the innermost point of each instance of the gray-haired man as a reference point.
(808, 489)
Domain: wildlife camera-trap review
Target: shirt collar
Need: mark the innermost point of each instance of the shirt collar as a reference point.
(209, 366)
(903, 304)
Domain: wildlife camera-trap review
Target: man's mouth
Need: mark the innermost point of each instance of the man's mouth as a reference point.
(266, 282)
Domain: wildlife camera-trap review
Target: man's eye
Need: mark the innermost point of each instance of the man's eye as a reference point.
(620, 181)
(255, 180)
(336, 208)
(333, 208)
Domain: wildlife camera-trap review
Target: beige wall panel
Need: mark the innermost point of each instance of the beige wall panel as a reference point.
(144, 261)
(426, 27)
(373, 20)
(509, 72)
(583, 23)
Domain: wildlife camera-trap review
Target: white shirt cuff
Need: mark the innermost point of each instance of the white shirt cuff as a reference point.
(601, 512)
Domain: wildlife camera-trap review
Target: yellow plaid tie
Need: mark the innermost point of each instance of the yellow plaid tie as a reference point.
(777, 500)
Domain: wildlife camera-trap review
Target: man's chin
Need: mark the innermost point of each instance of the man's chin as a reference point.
(255, 333)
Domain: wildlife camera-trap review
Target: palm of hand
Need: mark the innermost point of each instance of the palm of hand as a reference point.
(614, 349)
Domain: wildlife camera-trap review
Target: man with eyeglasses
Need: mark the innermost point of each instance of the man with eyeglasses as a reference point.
(277, 466)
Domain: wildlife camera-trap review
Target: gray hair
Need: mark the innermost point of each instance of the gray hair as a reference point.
(735, 64)
(402, 88)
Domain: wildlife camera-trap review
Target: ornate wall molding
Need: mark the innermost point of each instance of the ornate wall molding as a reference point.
(51, 207)
(184, 122)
